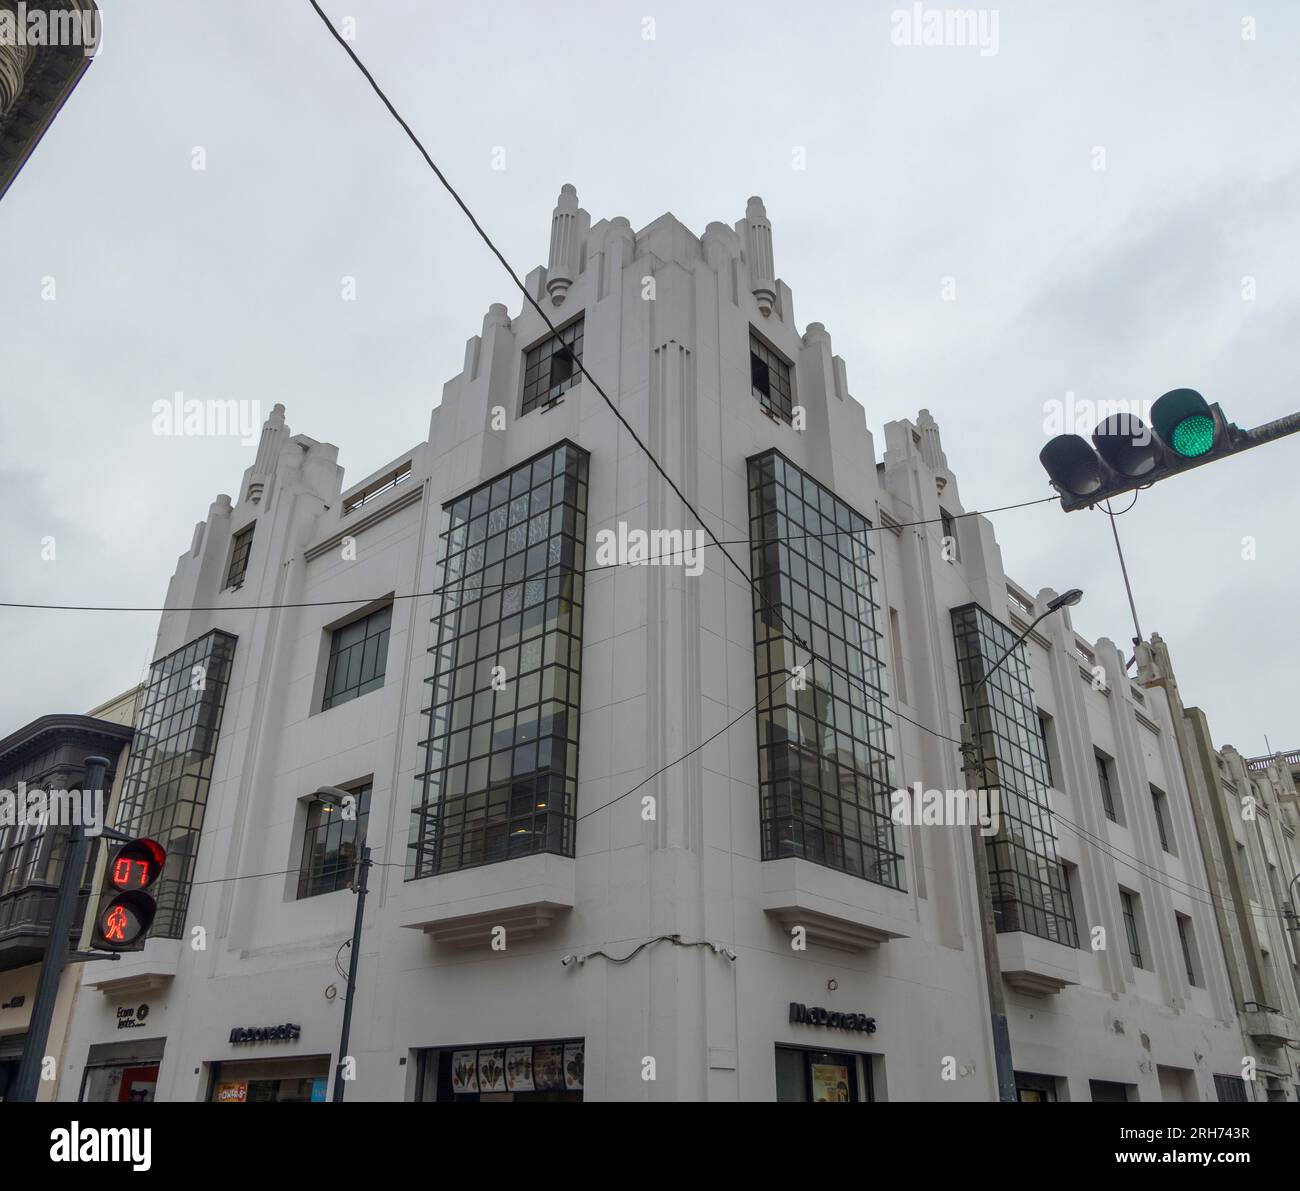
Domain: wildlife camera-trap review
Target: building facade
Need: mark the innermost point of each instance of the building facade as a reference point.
(1246, 815)
(45, 756)
(45, 48)
(631, 802)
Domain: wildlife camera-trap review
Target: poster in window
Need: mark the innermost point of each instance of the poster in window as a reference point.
(464, 1071)
(830, 1084)
(519, 1068)
(548, 1067)
(573, 1063)
(492, 1070)
(232, 1092)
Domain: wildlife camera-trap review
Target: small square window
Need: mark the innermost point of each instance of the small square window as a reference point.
(551, 367)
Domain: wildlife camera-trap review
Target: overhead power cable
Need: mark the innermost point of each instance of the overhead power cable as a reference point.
(464, 585)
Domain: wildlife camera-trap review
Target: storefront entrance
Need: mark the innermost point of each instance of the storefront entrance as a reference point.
(122, 1072)
(502, 1072)
(271, 1081)
(822, 1076)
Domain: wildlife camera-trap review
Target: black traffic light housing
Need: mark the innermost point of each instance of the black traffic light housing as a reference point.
(126, 910)
(1126, 454)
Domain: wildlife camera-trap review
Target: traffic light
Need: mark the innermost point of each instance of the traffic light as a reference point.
(127, 909)
(1185, 432)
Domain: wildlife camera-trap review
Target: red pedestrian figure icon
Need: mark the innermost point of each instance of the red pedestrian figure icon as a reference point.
(115, 925)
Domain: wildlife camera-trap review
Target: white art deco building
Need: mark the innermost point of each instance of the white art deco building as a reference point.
(585, 884)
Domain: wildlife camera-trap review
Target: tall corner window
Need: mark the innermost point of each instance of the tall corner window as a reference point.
(769, 378)
(1030, 888)
(358, 658)
(551, 367)
(178, 718)
(241, 545)
(500, 776)
(332, 843)
(1109, 803)
(1129, 905)
(824, 765)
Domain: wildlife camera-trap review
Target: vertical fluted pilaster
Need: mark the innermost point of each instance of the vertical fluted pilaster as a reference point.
(758, 248)
(564, 238)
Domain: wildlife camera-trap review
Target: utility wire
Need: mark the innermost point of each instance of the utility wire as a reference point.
(462, 585)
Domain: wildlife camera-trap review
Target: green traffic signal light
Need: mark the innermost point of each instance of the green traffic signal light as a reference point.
(1193, 436)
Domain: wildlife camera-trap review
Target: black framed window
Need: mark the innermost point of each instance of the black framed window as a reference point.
(1029, 886)
(1187, 940)
(1108, 801)
(769, 378)
(165, 790)
(1044, 727)
(551, 367)
(1158, 804)
(1230, 1089)
(949, 526)
(1128, 903)
(241, 545)
(501, 755)
(332, 843)
(358, 660)
(823, 741)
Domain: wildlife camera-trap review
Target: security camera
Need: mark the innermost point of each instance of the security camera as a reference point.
(567, 960)
(731, 955)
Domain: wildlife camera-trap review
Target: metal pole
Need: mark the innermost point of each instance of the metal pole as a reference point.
(363, 869)
(989, 933)
(56, 948)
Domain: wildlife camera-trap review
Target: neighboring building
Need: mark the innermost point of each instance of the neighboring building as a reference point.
(47, 754)
(1247, 817)
(585, 883)
(45, 48)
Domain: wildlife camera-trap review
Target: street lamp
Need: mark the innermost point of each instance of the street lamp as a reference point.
(334, 797)
(972, 771)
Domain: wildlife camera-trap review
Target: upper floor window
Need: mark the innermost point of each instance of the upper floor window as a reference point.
(1188, 942)
(1044, 729)
(1108, 801)
(358, 658)
(551, 367)
(332, 843)
(1159, 804)
(1128, 903)
(241, 546)
(769, 377)
(951, 552)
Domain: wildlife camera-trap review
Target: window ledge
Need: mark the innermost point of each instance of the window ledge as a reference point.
(1036, 967)
(137, 972)
(836, 909)
(460, 909)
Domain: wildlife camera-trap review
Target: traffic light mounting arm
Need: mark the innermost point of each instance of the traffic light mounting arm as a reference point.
(1085, 477)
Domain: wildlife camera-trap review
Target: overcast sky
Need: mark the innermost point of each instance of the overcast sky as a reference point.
(921, 163)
